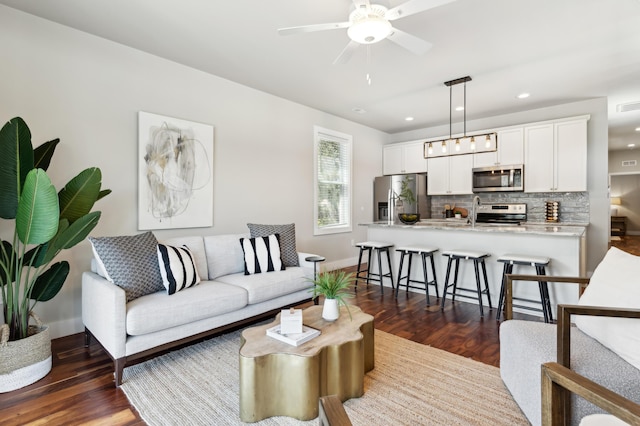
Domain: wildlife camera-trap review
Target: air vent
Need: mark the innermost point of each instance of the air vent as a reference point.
(629, 163)
(631, 106)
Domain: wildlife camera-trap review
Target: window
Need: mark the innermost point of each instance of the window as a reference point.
(332, 181)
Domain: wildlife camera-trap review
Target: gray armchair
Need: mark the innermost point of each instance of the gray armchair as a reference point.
(526, 345)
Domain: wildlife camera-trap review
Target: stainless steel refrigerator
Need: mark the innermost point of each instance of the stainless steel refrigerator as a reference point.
(387, 198)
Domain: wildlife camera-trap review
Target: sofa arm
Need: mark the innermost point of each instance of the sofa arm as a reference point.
(510, 278)
(104, 310)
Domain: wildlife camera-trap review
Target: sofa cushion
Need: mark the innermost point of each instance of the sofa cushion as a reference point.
(196, 245)
(287, 239)
(177, 268)
(261, 287)
(262, 254)
(615, 283)
(224, 254)
(157, 311)
(130, 262)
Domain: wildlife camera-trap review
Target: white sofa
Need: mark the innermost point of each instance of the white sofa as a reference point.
(225, 298)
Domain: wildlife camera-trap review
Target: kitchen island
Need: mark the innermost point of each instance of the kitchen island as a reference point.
(563, 244)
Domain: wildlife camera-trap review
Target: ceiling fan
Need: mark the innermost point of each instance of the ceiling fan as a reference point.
(370, 23)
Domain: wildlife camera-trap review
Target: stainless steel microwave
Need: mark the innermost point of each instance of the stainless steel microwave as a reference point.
(498, 178)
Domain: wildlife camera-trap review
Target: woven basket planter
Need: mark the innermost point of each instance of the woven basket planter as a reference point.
(24, 361)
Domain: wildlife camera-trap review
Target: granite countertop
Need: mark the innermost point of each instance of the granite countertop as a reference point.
(461, 225)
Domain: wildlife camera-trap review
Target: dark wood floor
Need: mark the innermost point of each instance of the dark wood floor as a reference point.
(80, 390)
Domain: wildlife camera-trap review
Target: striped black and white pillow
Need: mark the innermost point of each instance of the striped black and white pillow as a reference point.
(177, 268)
(262, 254)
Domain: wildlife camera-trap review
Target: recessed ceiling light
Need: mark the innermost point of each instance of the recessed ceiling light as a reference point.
(631, 145)
(459, 108)
(408, 118)
(359, 110)
(523, 95)
(637, 129)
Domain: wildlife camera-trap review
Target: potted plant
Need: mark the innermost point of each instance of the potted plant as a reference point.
(409, 213)
(334, 286)
(44, 223)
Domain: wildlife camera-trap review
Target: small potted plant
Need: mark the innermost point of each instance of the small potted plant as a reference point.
(334, 286)
(409, 214)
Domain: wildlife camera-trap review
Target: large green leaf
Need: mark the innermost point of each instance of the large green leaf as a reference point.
(49, 283)
(77, 231)
(104, 193)
(38, 209)
(80, 194)
(36, 256)
(7, 268)
(16, 160)
(42, 154)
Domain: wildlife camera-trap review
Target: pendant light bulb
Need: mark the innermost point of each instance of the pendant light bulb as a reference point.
(444, 146)
(487, 143)
(472, 144)
(457, 144)
(430, 149)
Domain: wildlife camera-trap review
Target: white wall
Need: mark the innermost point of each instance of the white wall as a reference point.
(597, 159)
(617, 157)
(87, 91)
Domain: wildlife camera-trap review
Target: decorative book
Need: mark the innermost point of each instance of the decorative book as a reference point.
(294, 339)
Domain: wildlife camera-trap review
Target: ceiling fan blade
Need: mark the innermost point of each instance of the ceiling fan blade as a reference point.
(313, 28)
(409, 42)
(413, 6)
(346, 53)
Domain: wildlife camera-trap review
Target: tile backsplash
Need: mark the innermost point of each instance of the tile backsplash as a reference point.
(574, 206)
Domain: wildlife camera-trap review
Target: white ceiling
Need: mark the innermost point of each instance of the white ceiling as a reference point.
(558, 50)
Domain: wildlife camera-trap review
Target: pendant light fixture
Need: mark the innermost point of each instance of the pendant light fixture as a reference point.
(455, 144)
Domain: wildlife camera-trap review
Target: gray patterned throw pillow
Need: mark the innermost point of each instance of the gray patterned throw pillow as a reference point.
(130, 262)
(288, 250)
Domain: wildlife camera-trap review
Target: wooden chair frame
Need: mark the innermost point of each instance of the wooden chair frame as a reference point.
(331, 412)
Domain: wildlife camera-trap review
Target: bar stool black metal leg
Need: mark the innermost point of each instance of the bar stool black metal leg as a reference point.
(486, 282)
(479, 289)
(369, 264)
(400, 273)
(505, 270)
(380, 271)
(433, 272)
(426, 279)
(390, 270)
(455, 279)
(408, 277)
(544, 294)
(446, 283)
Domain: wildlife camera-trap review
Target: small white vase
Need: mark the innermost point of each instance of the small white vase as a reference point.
(330, 310)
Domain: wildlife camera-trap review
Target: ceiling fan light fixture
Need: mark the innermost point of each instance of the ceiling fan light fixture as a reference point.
(369, 30)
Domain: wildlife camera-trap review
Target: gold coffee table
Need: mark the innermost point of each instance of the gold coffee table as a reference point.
(277, 379)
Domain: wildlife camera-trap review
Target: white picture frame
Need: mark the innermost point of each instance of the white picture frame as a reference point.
(175, 173)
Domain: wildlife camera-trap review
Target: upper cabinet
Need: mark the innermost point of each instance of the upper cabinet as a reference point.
(404, 158)
(450, 175)
(510, 150)
(556, 156)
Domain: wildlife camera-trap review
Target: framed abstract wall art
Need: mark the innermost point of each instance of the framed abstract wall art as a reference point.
(175, 173)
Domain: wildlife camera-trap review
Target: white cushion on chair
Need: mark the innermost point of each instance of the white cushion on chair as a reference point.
(616, 284)
(522, 258)
(468, 254)
(419, 250)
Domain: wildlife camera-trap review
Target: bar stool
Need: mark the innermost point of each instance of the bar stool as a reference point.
(478, 260)
(540, 263)
(379, 248)
(423, 252)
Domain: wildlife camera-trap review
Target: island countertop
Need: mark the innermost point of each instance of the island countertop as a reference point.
(461, 225)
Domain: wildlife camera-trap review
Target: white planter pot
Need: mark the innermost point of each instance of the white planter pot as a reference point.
(330, 310)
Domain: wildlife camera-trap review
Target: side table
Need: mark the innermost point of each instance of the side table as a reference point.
(315, 260)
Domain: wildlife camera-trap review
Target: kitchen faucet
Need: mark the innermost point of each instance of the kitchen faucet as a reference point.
(474, 211)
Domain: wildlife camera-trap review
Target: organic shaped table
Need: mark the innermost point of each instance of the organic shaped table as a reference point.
(278, 379)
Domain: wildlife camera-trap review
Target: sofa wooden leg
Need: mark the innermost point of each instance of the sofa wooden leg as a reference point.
(119, 367)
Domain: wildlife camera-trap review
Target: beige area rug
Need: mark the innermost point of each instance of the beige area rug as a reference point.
(411, 384)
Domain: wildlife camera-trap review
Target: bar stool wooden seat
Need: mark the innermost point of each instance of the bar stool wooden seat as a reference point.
(424, 253)
(366, 273)
(538, 262)
(478, 258)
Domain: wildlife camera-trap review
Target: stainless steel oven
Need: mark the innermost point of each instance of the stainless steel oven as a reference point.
(498, 178)
(504, 213)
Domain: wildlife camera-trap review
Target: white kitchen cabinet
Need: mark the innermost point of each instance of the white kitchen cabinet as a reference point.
(510, 150)
(404, 158)
(450, 175)
(556, 157)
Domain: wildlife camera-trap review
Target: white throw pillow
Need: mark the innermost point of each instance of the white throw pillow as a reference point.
(616, 284)
(262, 254)
(177, 268)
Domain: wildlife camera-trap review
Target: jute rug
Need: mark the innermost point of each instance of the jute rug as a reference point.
(411, 384)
